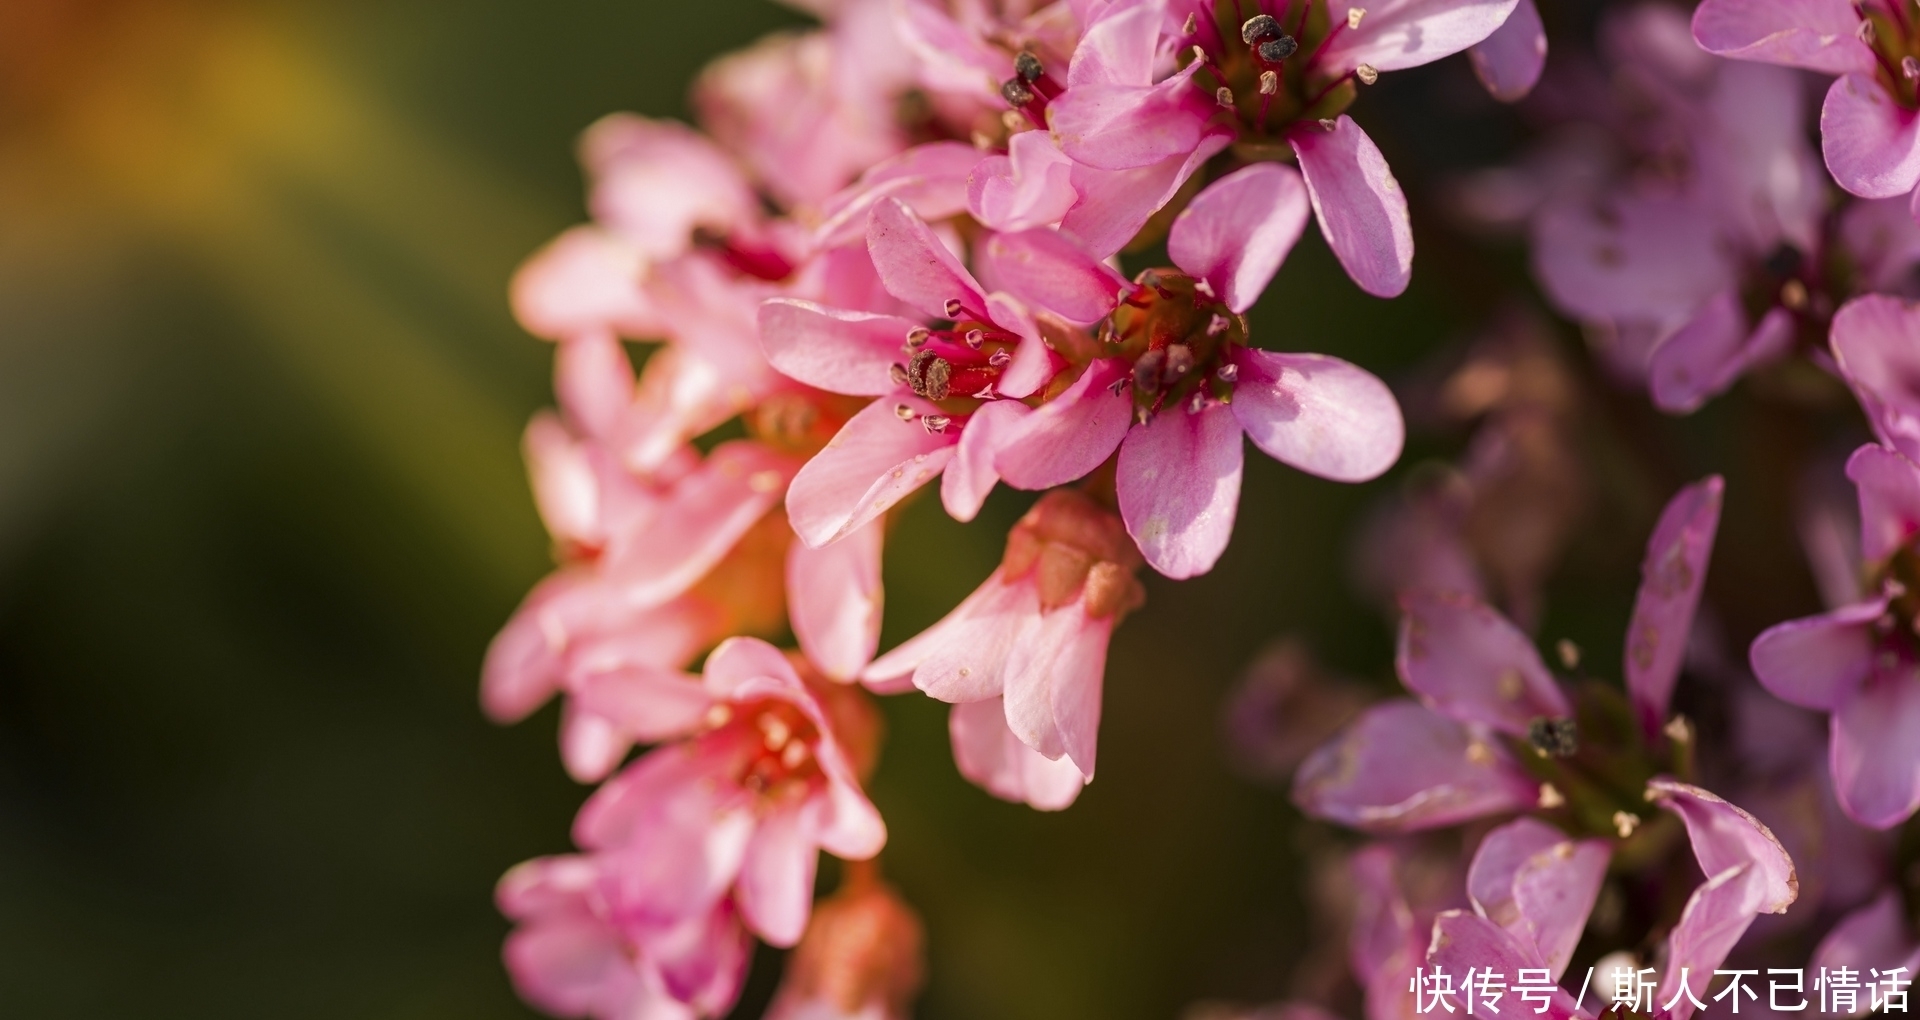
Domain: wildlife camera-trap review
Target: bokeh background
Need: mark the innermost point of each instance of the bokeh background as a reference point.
(261, 508)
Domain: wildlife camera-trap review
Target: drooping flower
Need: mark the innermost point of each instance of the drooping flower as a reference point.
(1858, 662)
(1033, 640)
(861, 958)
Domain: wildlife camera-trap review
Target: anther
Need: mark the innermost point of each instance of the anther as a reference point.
(954, 308)
(975, 338)
(1368, 75)
(903, 412)
(1269, 83)
(1217, 325)
(1624, 823)
(1569, 654)
(1793, 293)
(1227, 373)
(1196, 403)
(936, 423)
(1258, 27)
(1179, 362)
(1274, 51)
(1192, 25)
(1909, 68)
(1016, 93)
(1553, 738)
(1354, 14)
(898, 373)
(999, 359)
(930, 375)
(1224, 96)
(1328, 124)
(918, 335)
(1147, 370)
(1027, 66)
(1551, 797)
(1865, 33)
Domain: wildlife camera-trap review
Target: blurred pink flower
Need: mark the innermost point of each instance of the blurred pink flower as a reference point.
(861, 959)
(1032, 639)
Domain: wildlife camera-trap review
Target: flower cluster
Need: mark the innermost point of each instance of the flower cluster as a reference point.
(925, 241)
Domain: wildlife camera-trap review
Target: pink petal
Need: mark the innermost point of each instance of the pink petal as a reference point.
(1031, 186)
(1713, 350)
(1045, 268)
(1871, 143)
(1499, 859)
(1889, 487)
(1123, 127)
(702, 961)
(593, 379)
(1883, 238)
(1555, 891)
(970, 476)
(564, 486)
(547, 885)
(850, 826)
(872, 463)
(775, 891)
(1033, 365)
(1466, 660)
(1814, 34)
(1875, 341)
(931, 179)
(1873, 937)
(1362, 211)
(1236, 233)
(584, 282)
(833, 599)
(655, 182)
(1120, 47)
(1509, 61)
(1726, 837)
(705, 515)
(1463, 940)
(1115, 204)
(741, 661)
(611, 711)
(1671, 576)
(674, 836)
(1064, 662)
(1399, 34)
(1179, 486)
(572, 966)
(992, 758)
(1319, 414)
(1876, 775)
(1072, 434)
(1403, 768)
(963, 657)
(1643, 257)
(1816, 662)
(916, 266)
(833, 349)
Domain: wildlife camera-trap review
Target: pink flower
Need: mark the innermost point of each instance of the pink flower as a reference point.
(1873, 938)
(1397, 892)
(1856, 662)
(861, 959)
(741, 808)
(1033, 640)
(1405, 767)
(1868, 125)
(568, 957)
(1873, 341)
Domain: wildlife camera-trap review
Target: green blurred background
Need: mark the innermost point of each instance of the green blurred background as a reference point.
(261, 508)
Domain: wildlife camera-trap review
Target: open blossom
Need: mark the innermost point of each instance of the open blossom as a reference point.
(1868, 126)
(861, 958)
(1404, 766)
(1155, 88)
(1032, 642)
(741, 808)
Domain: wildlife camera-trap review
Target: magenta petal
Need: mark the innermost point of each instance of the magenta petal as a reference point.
(1031, 186)
(1120, 47)
(742, 661)
(1871, 143)
(833, 349)
(931, 179)
(1498, 860)
(594, 382)
(1817, 662)
(992, 758)
(775, 891)
(1115, 204)
(1033, 364)
(916, 266)
(1319, 414)
(1814, 34)
(1408, 33)
(1671, 576)
(1045, 268)
(1876, 774)
(1509, 61)
(1402, 768)
(1638, 256)
(1179, 486)
(1530, 879)
(970, 475)
(963, 657)
(703, 962)
(1873, 937)
(584, 281)
(1889, 487)
(833, 599)
(1466, 660)
(1060, 667)
(1071, 434)
(1725, 837)
(1362, 211)
(707, 513)
(1121, 127)
(1876, 340)
(1236, 233)
(871, 464)
(1705, 356)
(565, 488)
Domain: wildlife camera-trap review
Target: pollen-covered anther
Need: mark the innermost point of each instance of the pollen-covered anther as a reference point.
(1274, 51)
(1793, 293)
(918, 335)
(1227, 373)
(1368, 75)
(1259, 27)
(1027, 66)
(954, 307)
(1865, 33)
(1223, 95)
(903, 412)
(1269, 83)
(1909, 68)
(999, 359)
(935, 423)
(930, 375)
(898, 373)
(1218, 324)
(1354, 14)
(975, 338)
(1016, 93)
(1553, 738)
(1625, 822)
(1179, 363)
(1191, 25)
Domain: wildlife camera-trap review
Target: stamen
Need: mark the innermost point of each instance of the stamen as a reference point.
(898, 373)
(1217, 325)
(975, 338)
(1179, 361)
(1274, 51)
(930, 375)
(1354, 14)
(999, 359)
(1258, 27)
(1553, 738)
(936, 423)
(1909, 68)
(1227, 373)
(1368, 75)
(1224, 96)
(1148, 368)
(1027, 66)
(1197, 403)
(954, 308)
(918, 335)
(903, 412)
(1192, 25)
(1865, 33)
(1016, 93)
(1269, 83)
